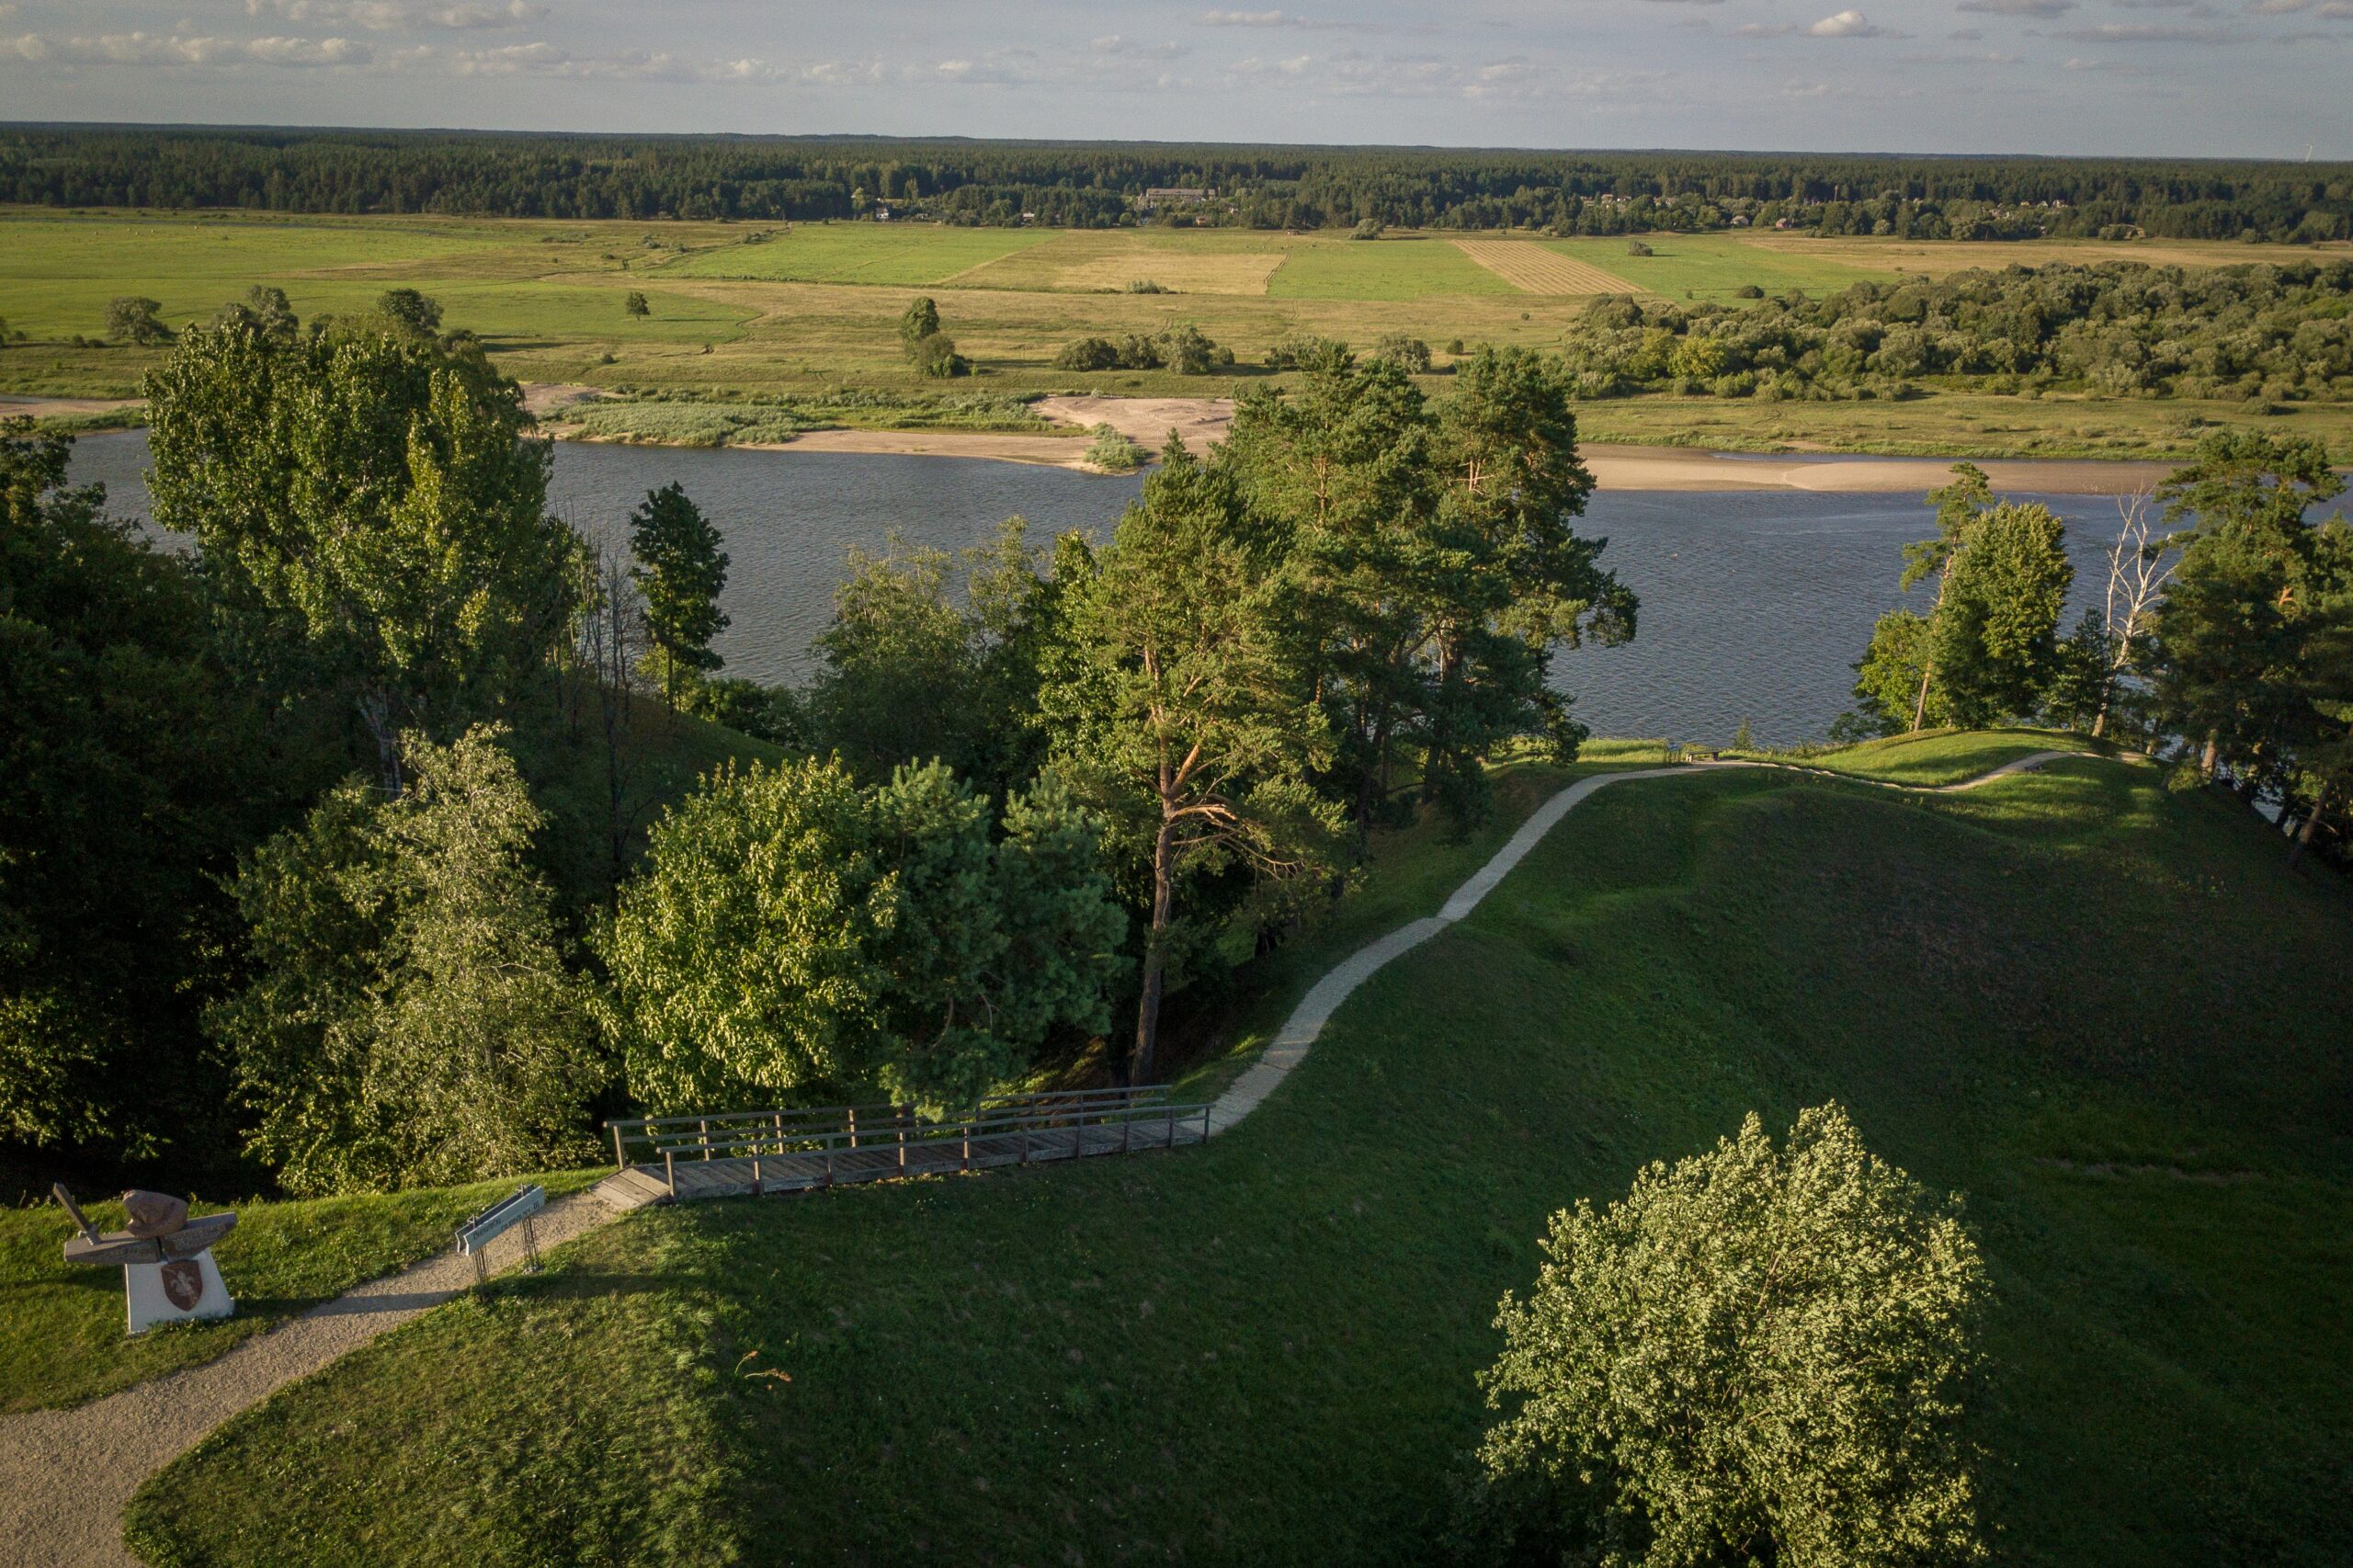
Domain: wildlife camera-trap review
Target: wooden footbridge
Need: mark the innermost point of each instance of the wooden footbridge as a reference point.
(665, 1159)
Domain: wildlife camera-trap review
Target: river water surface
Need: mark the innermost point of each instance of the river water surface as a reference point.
(1755, 603)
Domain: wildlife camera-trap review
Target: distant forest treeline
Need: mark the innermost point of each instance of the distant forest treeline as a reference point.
(1100, 185)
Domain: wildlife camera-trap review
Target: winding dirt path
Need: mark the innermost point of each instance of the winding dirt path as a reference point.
(1290, 1044)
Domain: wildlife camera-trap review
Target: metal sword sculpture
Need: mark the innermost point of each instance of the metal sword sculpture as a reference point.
(168, 1275)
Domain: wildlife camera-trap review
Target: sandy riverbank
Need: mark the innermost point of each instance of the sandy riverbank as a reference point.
(1202, 420)
(1149, 420)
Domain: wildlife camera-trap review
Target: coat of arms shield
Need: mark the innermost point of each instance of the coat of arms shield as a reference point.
(182, 1285)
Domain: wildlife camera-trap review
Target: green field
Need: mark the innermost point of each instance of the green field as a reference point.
(2102, 1011)
(546, 297)
(858, 252)
(1712, 266)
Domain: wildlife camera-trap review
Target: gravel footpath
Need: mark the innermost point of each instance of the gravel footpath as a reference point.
(65, 1475)
(1288, 1048)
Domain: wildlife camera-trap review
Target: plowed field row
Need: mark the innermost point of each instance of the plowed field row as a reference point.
(1533, 268)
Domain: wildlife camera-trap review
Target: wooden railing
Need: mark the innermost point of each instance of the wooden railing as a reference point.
(1033, 1123)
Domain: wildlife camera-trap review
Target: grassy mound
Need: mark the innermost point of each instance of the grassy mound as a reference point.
(2104, 1013)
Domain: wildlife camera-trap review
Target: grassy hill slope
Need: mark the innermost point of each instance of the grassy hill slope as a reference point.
(2104, 1013)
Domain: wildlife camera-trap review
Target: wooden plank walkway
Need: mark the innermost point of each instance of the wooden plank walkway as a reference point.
(752, 1154)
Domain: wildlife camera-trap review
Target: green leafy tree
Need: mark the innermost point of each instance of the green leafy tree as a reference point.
(2227, 644)
(1178, 705)
(133, 319)
(1988, 647)
(410, 1020)
(1893, 671)
(794, 936)
(1410, 354)
(920, 321)
(132, 771)
(1189, 350)
(634, 303)
(264, 308)
(681, 570)
(417, 312)
(1760, 1355)
(371, 514)
(907, 675)
(1993, 639)
(935, 357)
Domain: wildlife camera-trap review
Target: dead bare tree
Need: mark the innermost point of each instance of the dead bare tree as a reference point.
(2139, 563)
(612, 645)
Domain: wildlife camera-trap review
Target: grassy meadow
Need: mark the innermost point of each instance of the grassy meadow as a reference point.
(2102, 1011)
(747, 311)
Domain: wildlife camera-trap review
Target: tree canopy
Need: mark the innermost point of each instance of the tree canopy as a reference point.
(1761, 1354)
(794, 935)
(371, 510)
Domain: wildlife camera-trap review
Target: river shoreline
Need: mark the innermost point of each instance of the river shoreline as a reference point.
(1200, 421)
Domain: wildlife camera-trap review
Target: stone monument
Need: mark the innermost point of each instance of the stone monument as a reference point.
(168, 1275)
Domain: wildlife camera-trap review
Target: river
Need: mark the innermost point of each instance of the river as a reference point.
(1755, 603)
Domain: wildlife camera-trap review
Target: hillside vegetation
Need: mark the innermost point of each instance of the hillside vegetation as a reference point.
(2101, 1010)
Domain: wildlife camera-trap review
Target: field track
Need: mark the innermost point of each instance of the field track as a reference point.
(1535, 270)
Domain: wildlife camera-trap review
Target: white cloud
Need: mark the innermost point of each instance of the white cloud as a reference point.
(400, 15)
(185, 50)
(2143, 32)
(1350, 73)
(1958, 57)
(1764, 29)
(1847, 24)
(1134, 49)
(1281, 19)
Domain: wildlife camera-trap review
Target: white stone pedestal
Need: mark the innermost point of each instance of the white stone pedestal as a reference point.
(176, 1292)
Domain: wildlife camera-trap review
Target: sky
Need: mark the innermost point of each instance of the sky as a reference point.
(2242, 78)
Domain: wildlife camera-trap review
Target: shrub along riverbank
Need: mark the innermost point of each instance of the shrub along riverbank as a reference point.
(1263, 1351)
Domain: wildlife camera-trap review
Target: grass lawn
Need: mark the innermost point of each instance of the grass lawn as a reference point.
(1710, 266)
(62, 1338)
(905, 254)
(2104, 1013)
(1938, 758)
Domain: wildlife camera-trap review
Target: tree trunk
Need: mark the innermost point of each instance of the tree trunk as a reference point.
(2212, 759)
(1155, 956)
(376, 712)
(1920, 704)
(2304, 835)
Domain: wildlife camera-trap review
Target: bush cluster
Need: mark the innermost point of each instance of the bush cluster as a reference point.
(2276, 332)
(1184, 349)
